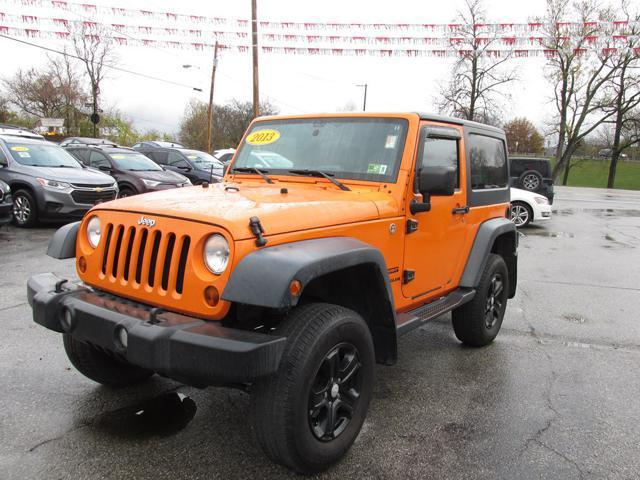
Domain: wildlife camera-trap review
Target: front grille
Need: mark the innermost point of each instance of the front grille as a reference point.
(92, 185)
(140, 256)
(92, 197)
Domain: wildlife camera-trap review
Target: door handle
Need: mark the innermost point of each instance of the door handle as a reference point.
(461, 210)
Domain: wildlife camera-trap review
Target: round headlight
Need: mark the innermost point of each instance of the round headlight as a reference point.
(216, 253)
(94, 231)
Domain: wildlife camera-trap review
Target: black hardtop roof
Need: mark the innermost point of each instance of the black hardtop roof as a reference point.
(458, 121)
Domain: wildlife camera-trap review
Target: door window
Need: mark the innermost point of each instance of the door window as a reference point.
(441, 152)
(97, 160)
(176, 160)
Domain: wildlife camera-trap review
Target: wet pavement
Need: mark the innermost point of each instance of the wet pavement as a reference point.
(556, 396)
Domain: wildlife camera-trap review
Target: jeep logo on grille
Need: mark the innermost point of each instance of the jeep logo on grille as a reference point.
(147, 222)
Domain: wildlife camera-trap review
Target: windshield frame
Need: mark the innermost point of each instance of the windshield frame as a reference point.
(15, 156)
(392, 177)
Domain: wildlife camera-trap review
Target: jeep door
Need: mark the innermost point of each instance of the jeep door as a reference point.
(434, 249)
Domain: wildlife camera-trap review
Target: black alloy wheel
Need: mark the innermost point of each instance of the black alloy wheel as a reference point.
(335, 391)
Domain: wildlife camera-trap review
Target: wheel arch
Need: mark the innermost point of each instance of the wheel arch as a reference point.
(499, 236)
(339, 270)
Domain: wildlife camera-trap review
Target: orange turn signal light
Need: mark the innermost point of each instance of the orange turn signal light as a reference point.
(82, 264)
(211, 296)
(295, 288)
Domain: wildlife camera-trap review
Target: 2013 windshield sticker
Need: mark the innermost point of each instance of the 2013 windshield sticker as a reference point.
(19, 149)
(377, 168)
(263, 137)
(117, 157)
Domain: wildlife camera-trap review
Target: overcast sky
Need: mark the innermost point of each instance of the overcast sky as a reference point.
(295, 84)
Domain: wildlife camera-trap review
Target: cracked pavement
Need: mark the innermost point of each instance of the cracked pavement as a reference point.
(555, 396)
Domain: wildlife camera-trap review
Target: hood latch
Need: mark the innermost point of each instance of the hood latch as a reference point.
(257, 230)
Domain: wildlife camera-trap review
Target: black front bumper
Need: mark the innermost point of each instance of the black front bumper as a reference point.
(6, 210)
(187, 349)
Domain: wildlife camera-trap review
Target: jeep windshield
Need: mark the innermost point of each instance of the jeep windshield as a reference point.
(135, 162)
(348, 148)
(42, 155)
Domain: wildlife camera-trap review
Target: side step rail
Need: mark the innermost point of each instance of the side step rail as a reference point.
(407, 321)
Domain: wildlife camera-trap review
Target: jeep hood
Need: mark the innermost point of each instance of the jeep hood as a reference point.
(304, 207)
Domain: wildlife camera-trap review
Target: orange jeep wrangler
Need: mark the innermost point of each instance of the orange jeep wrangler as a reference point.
(330, 236)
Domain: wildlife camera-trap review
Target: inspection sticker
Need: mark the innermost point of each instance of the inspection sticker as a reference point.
(19, 149)
(391, 141)
(263, 137)
(377, 168)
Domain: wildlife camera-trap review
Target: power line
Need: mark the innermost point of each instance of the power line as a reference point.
(124, 70)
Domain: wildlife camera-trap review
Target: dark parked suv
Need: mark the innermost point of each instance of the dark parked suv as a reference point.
(533, 175)
(46, 182)
(134, 172)
(197, 166)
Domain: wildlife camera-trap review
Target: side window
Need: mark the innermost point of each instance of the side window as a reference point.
(488, 162)
(159, 157)
(80, 154)
(441, 152)
(97, 160)
(3, 158)
(175, 160)
(226, 157)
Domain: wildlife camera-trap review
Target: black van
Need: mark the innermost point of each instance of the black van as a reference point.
(532, 174)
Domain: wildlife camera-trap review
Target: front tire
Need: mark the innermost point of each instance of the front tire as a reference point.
(521, 214)
(102, 367)
(478, 322)
(309, 413)
(25, 209)
(126, 192)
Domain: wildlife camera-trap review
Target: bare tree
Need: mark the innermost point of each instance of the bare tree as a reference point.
(579, 65)
(624, 91)
(69, 84)
(477, 79)
(34, 93)
(94, 45)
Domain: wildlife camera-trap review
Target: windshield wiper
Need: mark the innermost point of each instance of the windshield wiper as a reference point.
(320, 173)
(253, 170)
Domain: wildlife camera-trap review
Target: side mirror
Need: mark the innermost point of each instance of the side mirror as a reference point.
(225, 169)
(433, 181)
(104, 168)
(436, 181)
(185, 169)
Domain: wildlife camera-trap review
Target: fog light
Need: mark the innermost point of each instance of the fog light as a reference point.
(211, 296)
(122, 336)
(66, 320)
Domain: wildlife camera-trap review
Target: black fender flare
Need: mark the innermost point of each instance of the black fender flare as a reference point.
(262, 278)
(484, 244)
(63, 243)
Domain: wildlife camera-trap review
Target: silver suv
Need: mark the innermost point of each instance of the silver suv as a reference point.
(48, 183)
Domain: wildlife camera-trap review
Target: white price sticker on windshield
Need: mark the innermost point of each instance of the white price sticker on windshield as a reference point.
(24, 154)
(391, 141)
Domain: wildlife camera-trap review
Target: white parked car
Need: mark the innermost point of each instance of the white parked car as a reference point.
(527, 207)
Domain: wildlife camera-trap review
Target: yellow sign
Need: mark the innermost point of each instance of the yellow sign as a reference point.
(117, 157)
(263, 137)
(19, 149)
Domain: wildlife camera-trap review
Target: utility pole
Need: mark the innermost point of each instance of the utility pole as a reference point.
(364, 105)
(210, 110)
(254, 43)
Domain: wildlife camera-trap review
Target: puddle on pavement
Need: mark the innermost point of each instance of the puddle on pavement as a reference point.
(161, 416)
(599, 212)
(547, 233)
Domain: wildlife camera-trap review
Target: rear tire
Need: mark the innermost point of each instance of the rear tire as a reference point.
(308, 414)
(478, 322)
(25, 209)
(102, 367)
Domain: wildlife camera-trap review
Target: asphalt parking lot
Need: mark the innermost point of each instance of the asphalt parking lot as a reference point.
(557, 395)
